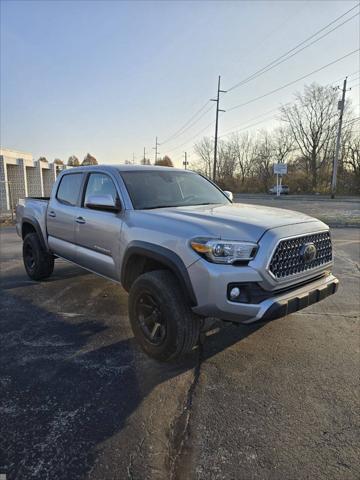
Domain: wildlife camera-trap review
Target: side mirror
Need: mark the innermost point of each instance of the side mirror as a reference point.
(103, 202)
(229, 195)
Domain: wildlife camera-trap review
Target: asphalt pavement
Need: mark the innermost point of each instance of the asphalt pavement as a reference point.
(79, 400)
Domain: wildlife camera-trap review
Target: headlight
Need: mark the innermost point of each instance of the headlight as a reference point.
(224, 251)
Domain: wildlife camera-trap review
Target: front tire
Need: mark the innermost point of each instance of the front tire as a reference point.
(160, 316)
(38, 263)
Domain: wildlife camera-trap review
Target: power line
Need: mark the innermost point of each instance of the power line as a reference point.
(192, 138)
(354, 79)
(279, 60)
(341, 78)
(250, 126)
(229, 132)
(185, 127)
(189, 126)
(276, 109)
(349, 75)
(186, 123)
(253, 118)
(271, 32)
(254, 76)
(294, 81)
(352, 120)
(191, 122)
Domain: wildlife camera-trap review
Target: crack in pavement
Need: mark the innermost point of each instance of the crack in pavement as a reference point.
(180, 429)
(326, 314)
(137, 451)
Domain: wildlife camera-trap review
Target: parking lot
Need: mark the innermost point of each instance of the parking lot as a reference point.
(339, 212)
(80, 400)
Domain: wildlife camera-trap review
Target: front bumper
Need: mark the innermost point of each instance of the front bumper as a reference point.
(276, 306)
(298, 299)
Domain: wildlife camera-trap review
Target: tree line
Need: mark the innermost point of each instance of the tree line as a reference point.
(305, 139)
(73, 161)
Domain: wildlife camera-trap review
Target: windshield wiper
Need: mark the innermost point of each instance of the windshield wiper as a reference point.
(205, 203)
(157, 206)
(180, 205)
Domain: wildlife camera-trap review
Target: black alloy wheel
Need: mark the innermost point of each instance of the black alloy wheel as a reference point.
(39, 263)
(151, 319)
(29, 257)
(161, 317)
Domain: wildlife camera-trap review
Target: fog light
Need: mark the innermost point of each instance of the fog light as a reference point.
(234, 293)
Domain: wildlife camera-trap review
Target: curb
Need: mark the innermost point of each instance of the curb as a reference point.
(339, 225)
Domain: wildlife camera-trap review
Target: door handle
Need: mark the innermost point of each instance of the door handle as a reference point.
(52, 214)
(80, 220)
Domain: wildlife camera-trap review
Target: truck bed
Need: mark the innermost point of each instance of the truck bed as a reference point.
(33, 210)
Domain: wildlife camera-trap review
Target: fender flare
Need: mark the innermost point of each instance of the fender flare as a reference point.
(161, 254)
(34, 222)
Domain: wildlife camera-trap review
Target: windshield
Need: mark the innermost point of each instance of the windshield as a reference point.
(152, 189)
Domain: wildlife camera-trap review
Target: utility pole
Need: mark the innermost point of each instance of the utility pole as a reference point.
(156, 148)
(185, 162)
(144, 157)
(341, 106)
(217, 99)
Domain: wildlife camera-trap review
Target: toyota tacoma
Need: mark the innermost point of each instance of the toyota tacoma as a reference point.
(181, 248)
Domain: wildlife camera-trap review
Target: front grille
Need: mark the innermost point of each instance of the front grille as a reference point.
(288, 258)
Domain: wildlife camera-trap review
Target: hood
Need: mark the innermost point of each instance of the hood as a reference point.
(232, 222)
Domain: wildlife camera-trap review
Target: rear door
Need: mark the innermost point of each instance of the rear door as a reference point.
(61, 214)
(97, 232)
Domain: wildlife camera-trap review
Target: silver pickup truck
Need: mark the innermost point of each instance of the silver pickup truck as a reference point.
(180, 247)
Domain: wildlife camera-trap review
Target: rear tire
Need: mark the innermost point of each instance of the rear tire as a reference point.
(38, 263)
(160, 316)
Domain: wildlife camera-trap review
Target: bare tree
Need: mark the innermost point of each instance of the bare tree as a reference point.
(312, 119)
(226, 164)
(352, 156)
(205, 151)
(243, 151)
(263, 159)
(283, 144)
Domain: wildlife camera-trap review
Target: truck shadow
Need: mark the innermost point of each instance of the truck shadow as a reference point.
(12, 280)
(62, 396)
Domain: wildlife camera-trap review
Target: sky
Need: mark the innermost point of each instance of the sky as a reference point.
(107, 77)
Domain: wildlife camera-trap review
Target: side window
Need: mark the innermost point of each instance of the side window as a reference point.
(69, 188)
(100, 184)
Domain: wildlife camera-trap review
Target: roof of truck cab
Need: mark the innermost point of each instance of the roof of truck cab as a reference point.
(134, 168)
(128, 168)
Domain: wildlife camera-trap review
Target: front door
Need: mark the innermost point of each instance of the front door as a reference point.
(98, 232)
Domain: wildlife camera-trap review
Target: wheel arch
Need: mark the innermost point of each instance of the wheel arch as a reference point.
(31, 225)
(141, 257)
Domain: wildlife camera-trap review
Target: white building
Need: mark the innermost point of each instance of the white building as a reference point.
(21, 176)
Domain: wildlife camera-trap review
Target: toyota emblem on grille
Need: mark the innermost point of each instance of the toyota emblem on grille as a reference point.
(308, 252)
